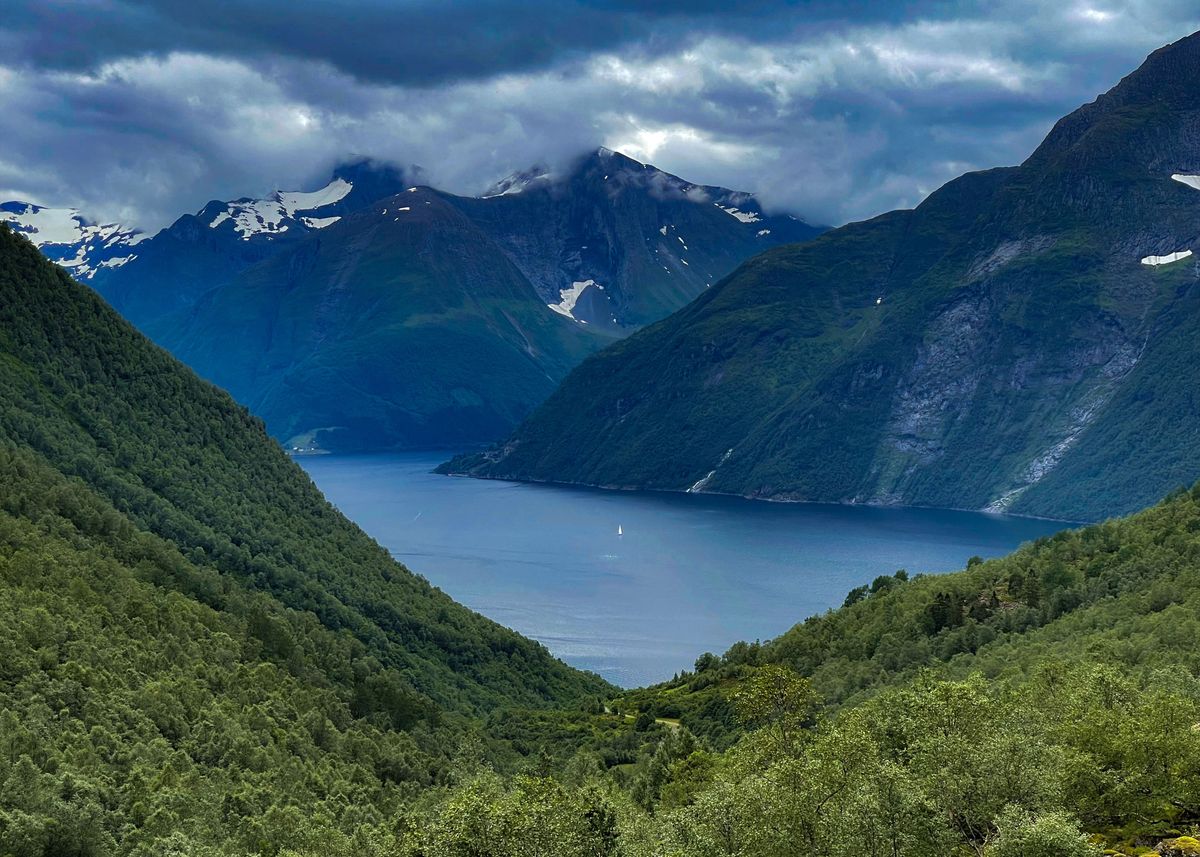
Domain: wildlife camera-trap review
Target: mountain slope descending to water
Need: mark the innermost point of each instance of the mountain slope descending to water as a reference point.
(1121, 592)
(615, 242)
(401, 326)
(1018, 341)
(96, 401)
(203, 657)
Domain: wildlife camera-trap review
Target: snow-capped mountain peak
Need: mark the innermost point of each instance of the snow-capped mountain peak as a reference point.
(72, 240)
(281, 210)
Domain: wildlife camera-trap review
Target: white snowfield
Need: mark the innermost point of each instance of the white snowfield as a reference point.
(48, 225)
(569, 297)
(70, 239)
(258, 216)
(1167, 259)
(1191, 181)
(45, 226)
(509, 189)
(744, 216)
(320, 222)
(333, 192)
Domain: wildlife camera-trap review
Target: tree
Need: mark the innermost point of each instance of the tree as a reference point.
(1052, 834)
(777, 698)
(883, 582)
(856, 595)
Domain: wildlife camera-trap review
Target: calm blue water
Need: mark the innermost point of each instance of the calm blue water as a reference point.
(690, 574)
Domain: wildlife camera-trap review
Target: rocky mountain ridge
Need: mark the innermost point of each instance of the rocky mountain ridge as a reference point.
(1017, 342)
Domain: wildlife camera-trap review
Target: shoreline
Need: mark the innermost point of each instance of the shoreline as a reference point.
(1071, 522)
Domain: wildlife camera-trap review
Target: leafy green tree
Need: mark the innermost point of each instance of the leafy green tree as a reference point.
(776, 698)
(856, 595)
(1051, 834)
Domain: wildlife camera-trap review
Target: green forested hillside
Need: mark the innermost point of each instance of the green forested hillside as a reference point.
(198, 648)
(1126, 592)
(137, 719)
(97, 401)
(1015, 342)
(1041, 705)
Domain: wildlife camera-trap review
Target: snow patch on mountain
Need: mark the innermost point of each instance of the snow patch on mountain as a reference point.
(1191, 181)
(1167, 259)
(570, 297)
(269, 216)
(333, 192)
(744, 216)
(320, 222)
(519, 182)
(65, 236)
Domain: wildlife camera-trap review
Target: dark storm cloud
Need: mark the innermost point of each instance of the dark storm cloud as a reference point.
(143, 110)
(419, 42)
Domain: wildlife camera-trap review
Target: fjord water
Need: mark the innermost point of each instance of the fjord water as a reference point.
(690, 574)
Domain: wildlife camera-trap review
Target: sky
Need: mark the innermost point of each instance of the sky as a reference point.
(142, 110)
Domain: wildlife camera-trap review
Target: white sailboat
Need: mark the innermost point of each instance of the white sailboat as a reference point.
(620, 532)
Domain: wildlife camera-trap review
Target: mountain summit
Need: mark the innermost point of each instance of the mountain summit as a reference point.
(617, 243)
(1023, 340)
(401, 325)
(66, 236)
(369, 314)
(198, 252)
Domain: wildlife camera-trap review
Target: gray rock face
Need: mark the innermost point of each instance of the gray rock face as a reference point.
(938, 388)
